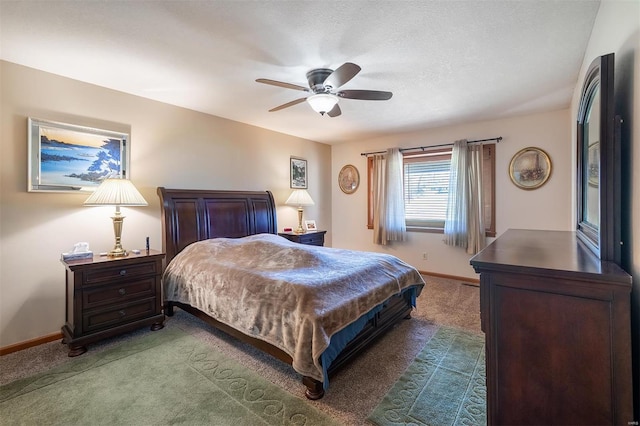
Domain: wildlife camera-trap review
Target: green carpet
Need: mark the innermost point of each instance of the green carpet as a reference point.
(445, 384)
(162, 377)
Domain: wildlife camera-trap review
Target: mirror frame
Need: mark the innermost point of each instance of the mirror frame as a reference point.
(603, 240)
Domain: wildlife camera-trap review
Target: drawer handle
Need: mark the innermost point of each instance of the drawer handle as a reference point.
(122, 313)
(123, 272)
(122, 292)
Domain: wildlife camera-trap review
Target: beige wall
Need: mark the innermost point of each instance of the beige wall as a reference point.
(548, 207)
(170, 146)
(617, 30)
(175, 147)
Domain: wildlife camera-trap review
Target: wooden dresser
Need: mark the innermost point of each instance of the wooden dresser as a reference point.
(108, 296)
(558, 332)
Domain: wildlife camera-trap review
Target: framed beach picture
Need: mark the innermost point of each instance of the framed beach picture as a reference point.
(298, 173)
(69, 158)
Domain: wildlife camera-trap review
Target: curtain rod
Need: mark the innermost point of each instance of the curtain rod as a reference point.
(423, 148)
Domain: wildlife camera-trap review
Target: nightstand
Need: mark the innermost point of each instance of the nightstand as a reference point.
(310, 238)
(108, 296)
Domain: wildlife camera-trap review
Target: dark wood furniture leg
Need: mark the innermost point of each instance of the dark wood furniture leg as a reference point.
(315, 389)
(157, 326)
(75, 350)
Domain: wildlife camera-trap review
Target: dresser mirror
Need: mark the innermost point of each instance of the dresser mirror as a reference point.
(598, 179)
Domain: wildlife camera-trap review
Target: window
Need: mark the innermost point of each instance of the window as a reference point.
(426, 189)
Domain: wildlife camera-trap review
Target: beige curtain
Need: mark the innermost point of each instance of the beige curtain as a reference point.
(388, 198)
(476, 238)
(378, 199)
(464, 225)
(455, 225)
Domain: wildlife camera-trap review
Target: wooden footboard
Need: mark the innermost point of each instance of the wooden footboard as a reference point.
(395, 309)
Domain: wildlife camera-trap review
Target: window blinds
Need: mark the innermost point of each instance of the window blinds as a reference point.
(426, 189)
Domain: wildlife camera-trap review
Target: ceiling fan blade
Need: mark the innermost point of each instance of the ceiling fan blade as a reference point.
(335, 111)
(288, 104)
(282, 84)
(342, 74)
(367, 95)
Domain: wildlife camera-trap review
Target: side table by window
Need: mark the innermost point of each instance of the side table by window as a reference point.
(310, 238)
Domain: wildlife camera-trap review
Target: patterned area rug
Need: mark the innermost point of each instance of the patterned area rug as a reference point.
(445, 385)
(163, 377)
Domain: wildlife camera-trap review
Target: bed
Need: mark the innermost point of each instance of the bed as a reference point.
(202, 227)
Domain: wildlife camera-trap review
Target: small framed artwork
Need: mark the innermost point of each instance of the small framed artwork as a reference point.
(349, 179)
(298, 173)
(530, 168)
(69, 158)
(310, 225)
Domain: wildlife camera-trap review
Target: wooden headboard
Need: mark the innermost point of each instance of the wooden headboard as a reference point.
(190, 215)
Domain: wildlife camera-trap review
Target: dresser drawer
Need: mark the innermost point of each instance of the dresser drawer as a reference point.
(118, 294)
(116, 315)
(121, 272)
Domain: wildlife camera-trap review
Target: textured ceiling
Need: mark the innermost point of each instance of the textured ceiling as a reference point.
(446, 62)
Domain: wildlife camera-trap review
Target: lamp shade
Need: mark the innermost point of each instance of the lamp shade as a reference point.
(116, 192)
(299, 197)
(322, 102)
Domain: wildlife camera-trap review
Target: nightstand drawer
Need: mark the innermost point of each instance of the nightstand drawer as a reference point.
(121, 314)
(123, 272)
(315, 239)
(110, 294)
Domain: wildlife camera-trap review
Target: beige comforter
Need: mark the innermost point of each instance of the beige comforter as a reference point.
(292, 296)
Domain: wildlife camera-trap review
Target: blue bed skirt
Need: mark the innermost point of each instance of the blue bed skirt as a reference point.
(340, 339)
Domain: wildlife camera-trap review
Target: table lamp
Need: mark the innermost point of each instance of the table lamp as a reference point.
(299, 198)
(116, 192)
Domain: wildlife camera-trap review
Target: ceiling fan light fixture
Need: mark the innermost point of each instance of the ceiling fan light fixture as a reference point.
(321, 95)
(322, 102)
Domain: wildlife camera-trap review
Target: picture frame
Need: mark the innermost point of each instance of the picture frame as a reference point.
(593, 164)
(310, 225)
(530, 168)
(298, 173)
(69, 158)
(349, 179)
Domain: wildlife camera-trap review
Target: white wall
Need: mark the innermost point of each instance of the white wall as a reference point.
(170, 146)
(548, 207)
(617, 30)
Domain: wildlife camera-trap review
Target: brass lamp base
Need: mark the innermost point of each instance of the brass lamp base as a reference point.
(299, 229)
(118, 250)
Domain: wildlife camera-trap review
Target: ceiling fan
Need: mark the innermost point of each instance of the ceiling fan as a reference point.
(323, 83)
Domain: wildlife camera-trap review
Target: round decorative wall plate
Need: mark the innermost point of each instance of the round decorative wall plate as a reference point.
(349, 179)
(530, 168)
